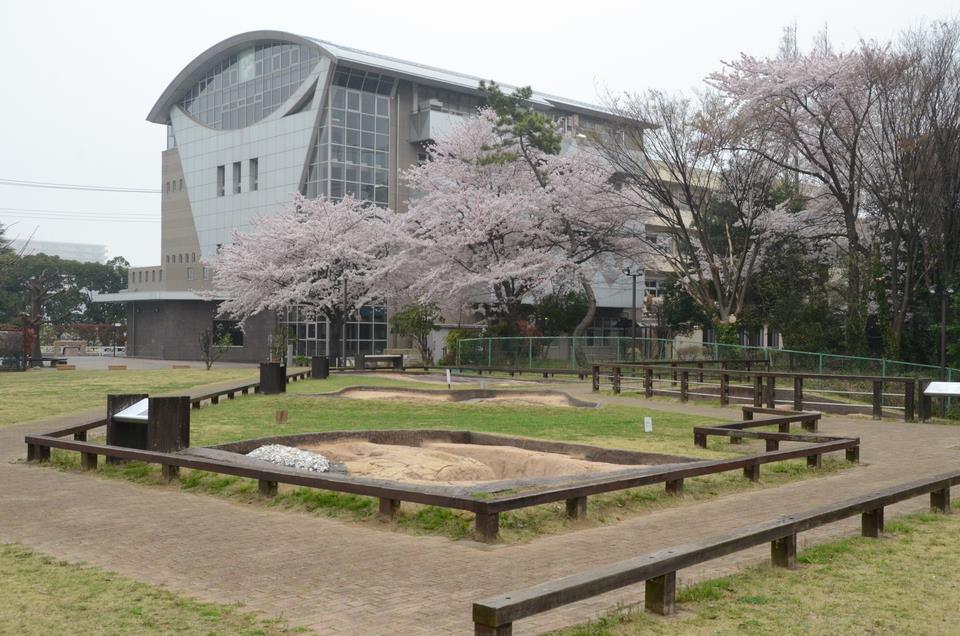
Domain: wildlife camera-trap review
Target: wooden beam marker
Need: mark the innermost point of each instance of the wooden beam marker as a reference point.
(783, 552)
(660, 595)
(871, 523)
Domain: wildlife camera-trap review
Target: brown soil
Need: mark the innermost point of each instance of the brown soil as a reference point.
(446, 462)
(440, 396)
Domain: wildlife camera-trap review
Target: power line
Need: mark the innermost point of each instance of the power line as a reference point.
(86, 213)
(76, 215)
(73, 186)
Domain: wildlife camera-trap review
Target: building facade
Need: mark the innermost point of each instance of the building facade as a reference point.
(264, 115)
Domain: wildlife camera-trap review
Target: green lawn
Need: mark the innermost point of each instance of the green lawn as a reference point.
(45, 596)
(905, 583)
(616, 426)
(44, 393)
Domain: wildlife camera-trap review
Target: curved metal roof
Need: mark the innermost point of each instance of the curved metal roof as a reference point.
(422, 73)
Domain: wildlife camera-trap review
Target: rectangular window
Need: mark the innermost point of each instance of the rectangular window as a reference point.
(206, 273)
(254, 174)
(189, 273)
(236, 177)
(221, 180)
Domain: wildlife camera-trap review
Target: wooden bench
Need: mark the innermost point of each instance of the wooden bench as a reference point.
(495, 615)
(54, 361)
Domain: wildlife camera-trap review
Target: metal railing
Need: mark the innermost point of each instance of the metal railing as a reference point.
(530, 352)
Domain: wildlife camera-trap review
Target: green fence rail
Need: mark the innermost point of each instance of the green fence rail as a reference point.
(560, 352)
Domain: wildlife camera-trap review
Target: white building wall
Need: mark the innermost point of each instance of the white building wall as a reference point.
(279, 143)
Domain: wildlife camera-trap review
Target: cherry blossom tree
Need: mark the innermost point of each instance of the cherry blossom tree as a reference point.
(322, 257)
(818, 105)
(494, 212)
(475, 221)
(679, 165)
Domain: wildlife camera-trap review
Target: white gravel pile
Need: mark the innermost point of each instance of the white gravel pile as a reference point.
(291, 457)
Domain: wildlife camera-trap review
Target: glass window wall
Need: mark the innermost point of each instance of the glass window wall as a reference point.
(244, 88)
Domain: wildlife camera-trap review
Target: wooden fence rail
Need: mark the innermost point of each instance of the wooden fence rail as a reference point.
(763, 384)
(486, 507)
(495, 615)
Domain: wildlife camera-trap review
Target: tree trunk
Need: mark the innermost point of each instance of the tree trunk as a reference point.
(334, 340)
(855, 332)
(583, 325)
(36, 355)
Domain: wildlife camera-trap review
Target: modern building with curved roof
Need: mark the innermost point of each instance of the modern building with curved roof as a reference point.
(263, 115)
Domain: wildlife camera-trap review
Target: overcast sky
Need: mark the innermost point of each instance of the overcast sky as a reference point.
(80, 77)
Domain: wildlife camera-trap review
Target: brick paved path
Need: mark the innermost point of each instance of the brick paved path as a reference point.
(336, 577)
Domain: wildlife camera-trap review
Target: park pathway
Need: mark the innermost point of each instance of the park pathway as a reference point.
(335, 577)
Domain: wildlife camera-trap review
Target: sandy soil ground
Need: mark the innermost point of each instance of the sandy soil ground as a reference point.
(440, 396)
(459, 464)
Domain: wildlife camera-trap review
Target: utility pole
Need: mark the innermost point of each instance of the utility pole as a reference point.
(633, 322)
(343, 326)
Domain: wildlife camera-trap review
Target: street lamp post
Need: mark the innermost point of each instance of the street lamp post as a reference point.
(115, 326)
(633, 323)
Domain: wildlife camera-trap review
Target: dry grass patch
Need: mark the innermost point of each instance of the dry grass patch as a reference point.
(41, 595)
(905, 583)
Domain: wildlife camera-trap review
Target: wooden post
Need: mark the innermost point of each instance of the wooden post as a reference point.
(699, 439)
(616, 380)
(940, 500)
(577, 508)
(700, 375)
(814, 461)
(673, 374)
(214, 399)
(675, 487)
(853, 455)
(909, 394)
(169, 473)
(88, 461)
(596, 378)
(661, 593)
(724, 389)
(648, 382)
(80, 436)
(773, 445)
(389, 507)
(877, 399)
(168, 424)
(871, 523)
(752, 472)
(267, 488)
(783, 427)
(798, 393)
(488, 525)
(195, 404)
(771, 392)
(783, 552)
(926, 402)
(684, 386)
(758, 390)
(735, 439)
(809, 425)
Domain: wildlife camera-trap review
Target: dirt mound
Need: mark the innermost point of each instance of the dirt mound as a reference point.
(472, 396)
(460, 464)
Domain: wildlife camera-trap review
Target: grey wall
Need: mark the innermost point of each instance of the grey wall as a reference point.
(170, 330)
